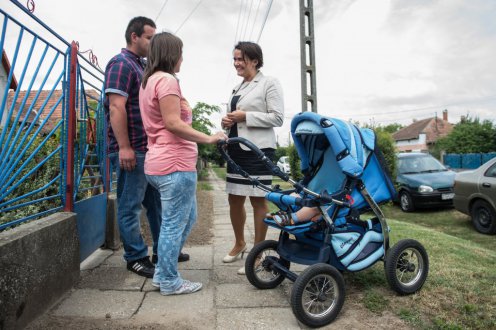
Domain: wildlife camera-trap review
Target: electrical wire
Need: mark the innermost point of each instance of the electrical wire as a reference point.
(247, 20)
(255, 19)
(161, 9)
(191, 13)
(431, 107)
(265, 20)
(237, 23)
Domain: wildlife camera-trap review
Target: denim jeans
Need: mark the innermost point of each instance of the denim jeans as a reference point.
(133, 191)
(178, 197)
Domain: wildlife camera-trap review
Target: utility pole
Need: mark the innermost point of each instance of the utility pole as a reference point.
(307, 55)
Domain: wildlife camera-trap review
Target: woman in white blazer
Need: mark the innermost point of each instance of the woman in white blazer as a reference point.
(256, 106)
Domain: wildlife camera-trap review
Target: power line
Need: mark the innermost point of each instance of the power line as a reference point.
(237, 24)
(191, 13)
(247, 20)
(160, 12)
(265, 20)
(255, 18)
(429, 108)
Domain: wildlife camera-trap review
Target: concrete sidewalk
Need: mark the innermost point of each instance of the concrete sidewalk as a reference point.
(111, 297)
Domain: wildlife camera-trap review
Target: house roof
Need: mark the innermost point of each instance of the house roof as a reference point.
(51, 101)
(6, 67)
(434, 128)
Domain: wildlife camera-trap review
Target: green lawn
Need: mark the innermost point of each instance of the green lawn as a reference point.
(460, 291)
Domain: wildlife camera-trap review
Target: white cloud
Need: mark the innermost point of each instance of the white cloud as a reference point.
(379, 61)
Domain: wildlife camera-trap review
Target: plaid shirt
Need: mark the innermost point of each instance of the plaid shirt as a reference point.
(123, 77)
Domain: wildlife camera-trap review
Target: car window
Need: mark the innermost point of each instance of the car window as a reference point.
(420, 164)
(491, 172)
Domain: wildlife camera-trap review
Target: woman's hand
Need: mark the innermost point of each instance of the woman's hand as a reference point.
(217, 137)
(226, 122)
(237, 116)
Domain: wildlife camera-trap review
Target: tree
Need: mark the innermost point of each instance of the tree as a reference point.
(202, 123)
(470, 136)
(387, 146)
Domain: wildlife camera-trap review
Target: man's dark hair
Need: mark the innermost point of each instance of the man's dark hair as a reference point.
(137, 25)
(252, 51)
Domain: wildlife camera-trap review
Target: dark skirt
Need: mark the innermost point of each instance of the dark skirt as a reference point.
(247, 160)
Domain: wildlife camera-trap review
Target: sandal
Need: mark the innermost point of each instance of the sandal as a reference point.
(281, 218)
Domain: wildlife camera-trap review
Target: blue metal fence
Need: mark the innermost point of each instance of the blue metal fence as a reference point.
(467, 161)
(36, 140)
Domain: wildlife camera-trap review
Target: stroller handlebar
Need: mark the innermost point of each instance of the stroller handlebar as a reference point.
(259, 153)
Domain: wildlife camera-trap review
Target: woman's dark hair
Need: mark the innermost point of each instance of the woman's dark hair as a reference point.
(252, 51)
(137, 25)
(164, 52)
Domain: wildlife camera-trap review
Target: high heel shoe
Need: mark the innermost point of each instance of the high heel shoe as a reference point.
(229, 258)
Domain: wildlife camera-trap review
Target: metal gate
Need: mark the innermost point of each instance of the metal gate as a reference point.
(52, 145)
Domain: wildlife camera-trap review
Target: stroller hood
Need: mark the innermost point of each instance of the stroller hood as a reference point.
(332, 150)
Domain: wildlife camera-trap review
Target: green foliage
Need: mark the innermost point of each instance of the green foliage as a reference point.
(202, 123)
(280, 152)
(29, 182)
(387, 146)
(470, 136)
(294, 163)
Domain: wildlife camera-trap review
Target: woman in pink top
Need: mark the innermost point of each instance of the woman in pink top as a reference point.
(170, 162)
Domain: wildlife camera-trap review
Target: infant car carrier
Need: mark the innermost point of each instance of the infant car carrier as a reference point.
(344, 177)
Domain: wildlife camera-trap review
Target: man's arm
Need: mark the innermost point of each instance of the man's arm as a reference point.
(118, 121)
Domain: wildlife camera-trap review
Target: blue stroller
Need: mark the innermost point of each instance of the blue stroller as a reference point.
(344, 177)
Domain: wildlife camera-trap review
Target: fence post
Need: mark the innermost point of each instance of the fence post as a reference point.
(71, 131)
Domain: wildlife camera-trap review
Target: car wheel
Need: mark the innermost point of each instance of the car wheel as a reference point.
(406, 202)
(483, 217)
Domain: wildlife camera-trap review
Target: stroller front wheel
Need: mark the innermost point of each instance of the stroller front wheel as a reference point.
(406, 266)
(318, 295)
(259, 265)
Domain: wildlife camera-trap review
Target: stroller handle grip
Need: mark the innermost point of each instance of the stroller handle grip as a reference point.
(259, 154)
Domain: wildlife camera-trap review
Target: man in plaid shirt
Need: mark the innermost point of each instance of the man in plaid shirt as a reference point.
(128, 145)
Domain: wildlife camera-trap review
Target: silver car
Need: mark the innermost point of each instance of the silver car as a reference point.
(475, 195)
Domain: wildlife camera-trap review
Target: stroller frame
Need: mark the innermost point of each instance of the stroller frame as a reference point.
(318, 292)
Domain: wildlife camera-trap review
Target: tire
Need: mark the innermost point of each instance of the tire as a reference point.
(406, 266)
(318, 295)
(406, 202)
(483, 217)
(257, 266)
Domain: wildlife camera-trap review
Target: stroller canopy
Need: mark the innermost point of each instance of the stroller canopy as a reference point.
(332, 150)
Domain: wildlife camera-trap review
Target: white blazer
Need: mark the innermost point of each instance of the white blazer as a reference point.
(262, 100)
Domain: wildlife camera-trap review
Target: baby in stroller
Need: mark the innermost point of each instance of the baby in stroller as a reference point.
(320, 220)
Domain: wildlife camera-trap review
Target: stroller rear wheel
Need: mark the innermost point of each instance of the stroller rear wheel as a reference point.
(259, 265)
(406, 266)
(318, 295)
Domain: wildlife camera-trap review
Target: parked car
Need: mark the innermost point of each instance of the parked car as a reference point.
(283, 164)
(475, 195)
(422, 181)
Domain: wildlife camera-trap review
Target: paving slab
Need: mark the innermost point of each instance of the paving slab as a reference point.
(111, 278)
(97, 304)
(245, 295)
(196, 310)
(256, 318)
(201, 257)
(95, 259)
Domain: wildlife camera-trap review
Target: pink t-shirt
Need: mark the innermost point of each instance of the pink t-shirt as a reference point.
(167, 153)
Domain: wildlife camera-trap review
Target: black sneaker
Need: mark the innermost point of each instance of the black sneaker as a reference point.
(182, 257)
(142, 267)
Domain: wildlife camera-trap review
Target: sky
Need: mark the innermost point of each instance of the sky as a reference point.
(377, 62)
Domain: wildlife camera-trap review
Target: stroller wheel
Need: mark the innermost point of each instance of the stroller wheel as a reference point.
(318, 295)
(259, 265)
(406, 266)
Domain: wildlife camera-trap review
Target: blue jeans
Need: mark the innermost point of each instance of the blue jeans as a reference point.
(178, 197)
(133, 191)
